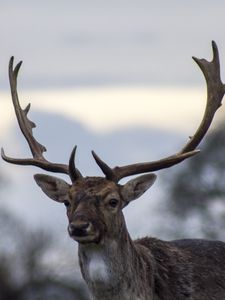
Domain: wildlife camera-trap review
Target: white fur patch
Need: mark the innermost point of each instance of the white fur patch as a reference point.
(98, 270)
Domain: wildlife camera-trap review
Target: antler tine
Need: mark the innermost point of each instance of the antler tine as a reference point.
(73, 171)
(104, 167)
(215, 93)
(26, 127)
(25, 124)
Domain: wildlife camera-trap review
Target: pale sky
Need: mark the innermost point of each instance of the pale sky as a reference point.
(107, 109)
(100, 43)
(111, 64)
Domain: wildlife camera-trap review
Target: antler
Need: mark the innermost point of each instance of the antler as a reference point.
(26, 127)
(215, 93)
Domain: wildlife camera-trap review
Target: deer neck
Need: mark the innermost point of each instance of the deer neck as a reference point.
(110, 269)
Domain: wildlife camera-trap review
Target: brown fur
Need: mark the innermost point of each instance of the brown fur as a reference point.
(117, 268)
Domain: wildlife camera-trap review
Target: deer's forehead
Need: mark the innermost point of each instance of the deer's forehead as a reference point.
(91, 186)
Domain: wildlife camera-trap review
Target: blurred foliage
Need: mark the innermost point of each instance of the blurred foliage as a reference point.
(23, 273)
(197, 190)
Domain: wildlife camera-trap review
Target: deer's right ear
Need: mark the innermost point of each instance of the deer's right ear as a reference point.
(55, 188)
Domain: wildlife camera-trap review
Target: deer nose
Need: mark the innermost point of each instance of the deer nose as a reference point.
(79, 228)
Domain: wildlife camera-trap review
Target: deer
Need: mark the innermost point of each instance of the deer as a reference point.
(113, 265)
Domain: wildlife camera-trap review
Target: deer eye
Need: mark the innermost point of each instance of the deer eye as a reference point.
(113, 202)
(66, 203)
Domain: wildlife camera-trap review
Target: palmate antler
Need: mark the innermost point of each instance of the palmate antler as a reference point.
(26, 127)
(215, 93)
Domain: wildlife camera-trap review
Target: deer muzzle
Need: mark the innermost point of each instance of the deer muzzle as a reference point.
(82, 231)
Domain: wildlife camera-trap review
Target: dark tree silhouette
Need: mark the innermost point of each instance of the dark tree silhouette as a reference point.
(23, 276)
(198, 188)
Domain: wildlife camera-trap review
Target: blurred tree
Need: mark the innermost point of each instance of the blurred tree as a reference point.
(23, 275)
(197, 190)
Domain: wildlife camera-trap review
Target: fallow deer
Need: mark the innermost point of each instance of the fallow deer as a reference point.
(113, 265)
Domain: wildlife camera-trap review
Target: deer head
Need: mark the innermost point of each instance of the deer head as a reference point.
(94, 204)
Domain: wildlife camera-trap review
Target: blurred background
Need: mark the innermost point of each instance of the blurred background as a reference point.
(116, 77)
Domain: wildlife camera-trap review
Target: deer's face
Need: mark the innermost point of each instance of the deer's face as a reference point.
(94, 209)
(94, 204)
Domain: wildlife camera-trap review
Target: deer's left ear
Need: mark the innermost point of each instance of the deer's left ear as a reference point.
(134, 188)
